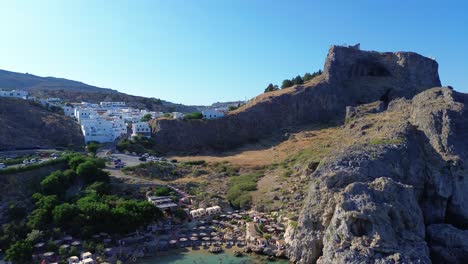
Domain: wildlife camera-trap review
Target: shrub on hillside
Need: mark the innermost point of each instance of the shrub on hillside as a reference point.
(194, 115)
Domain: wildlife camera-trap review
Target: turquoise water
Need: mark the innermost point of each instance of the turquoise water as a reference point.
(201, 257)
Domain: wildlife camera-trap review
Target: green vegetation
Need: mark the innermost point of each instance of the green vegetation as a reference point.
(194, 115)
(307, 76)
(146, 118)
(226, 167)
(286, 83)
(240, 188)
(293, 224)
(60, 207)
(20, 252)
(271, 88)
(18, 160)
(35, 166)
(138, 144)
(164, 191)
(297, 80)
(92, 148)
(386, 141)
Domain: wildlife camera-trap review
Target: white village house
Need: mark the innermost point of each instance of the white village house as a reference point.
(112, 104)
(141, 129)
(102, 129)
(14, 94)
(210, 113)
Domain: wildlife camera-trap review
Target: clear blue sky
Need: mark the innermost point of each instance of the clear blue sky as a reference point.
(203, 51)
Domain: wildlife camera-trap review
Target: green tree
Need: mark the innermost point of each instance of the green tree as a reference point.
(146, 118)
(92, 148)
(38, 219)
(34, 236)
(47, 202)
(20, 252)
(90, 171)
(271, 88)
(194, 115)
(64, 214)
(76, 160)
(73, 252)
(56, 183)
(307, 77)
(286, 83)
(297, 80)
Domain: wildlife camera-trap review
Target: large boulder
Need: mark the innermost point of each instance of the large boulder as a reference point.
(419, 147)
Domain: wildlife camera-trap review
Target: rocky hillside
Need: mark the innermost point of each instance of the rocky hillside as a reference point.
(399, 194)
(26, 125)
(351, 77)
(77, 91)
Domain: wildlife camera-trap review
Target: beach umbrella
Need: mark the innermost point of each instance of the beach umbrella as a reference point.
(39, 245)
(48, 254)
(194, 238)
(214, 234)
(206, 238)
(203, 234)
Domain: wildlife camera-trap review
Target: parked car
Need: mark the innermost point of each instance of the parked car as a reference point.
(25, 161)
(142, 159)
(2, 165)
(33, 161)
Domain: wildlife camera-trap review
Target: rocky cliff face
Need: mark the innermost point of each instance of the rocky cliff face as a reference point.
(26, 125)
(351, 77)
(399, 194)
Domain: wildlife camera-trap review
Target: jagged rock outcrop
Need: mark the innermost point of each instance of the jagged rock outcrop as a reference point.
(351, 77)
(371, 202)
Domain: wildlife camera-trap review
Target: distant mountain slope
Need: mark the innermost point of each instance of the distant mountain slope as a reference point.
(26, 81)
(77, 91)
(25, 125)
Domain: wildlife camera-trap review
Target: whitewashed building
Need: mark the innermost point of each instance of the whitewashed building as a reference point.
(53, 100)
(112, 104)
(209, 114)
(83, 113)
(177, 115)
(141, 129)
(102, 130)
(68, 110)
(14, 94)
